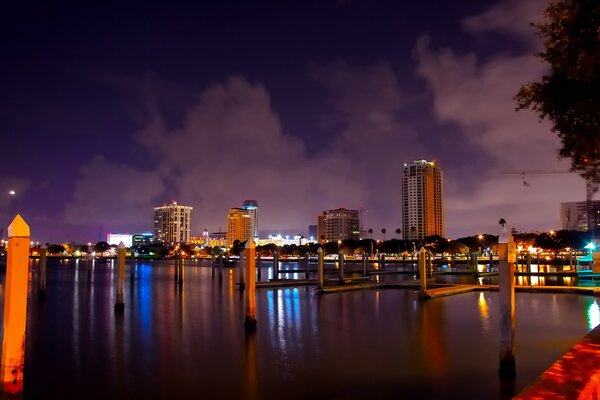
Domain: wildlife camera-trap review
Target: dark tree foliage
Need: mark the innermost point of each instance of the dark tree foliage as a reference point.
(56, 249)
(101, 247)
(570, 95)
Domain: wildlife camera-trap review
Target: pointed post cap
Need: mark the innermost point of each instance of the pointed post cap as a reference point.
(505, 236)
(423, 250)
(18, 227)
(320, 250)
(121, 245)
(250, 244)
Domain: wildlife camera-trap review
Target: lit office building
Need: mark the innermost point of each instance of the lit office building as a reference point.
(422, 207)
(338, 224)
(252, 206)
(172, 223)
(573, 215)
(240, 225)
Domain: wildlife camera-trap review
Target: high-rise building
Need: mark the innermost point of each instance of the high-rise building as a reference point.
(252, 206)
(172, 223)
(312, 232)
(573, 215)
(240, 225)
(422, 203)
(338, 224)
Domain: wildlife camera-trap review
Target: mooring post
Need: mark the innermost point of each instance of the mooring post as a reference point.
(213, 266)
(429, 264)
(506, 269)
(250, 294)
(221, 260)
(15, 306)
(321, 267)
(491, 261)
(42, 283)
(132, 264)
(242, 270)
(364, 260)
(180, 275)
(528, 258)
(307, 263)
(475, 262)
(176, 270)
(341, 265)
(258, 273)
(382, 261)
(422, 261)
(120, 298)
(275, 265)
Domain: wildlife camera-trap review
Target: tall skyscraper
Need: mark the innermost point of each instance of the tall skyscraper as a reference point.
(422, 205)
(172, 223)
(240, 225)
(252, 206)
(573, 215)
(338, 224)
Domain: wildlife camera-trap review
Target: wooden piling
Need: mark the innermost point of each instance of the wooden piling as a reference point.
(364, 262)
(506, 268)
(382, 261)
(242, 270)
(307, 264)
(341, 265)
(321, 267)
(120, 297)
(15, 306)
(275, 265)
(422, 261)
(250, 293)
(180, 274)
(258, 273)
(42, 278)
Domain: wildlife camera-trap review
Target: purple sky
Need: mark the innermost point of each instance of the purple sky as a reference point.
(110, 110)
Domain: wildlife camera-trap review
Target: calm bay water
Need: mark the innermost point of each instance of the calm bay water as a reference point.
(190, 342)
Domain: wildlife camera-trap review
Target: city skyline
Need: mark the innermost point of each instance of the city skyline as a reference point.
(315, 106)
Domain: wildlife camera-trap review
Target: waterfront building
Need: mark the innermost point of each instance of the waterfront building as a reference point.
(422, 202)
(338, 224)
(143, 239)
(240, 225)
(172, 223)
(252, 206)
(312, 232)
(280, 240)
(573, 215)
(116, 238)
(217, 239)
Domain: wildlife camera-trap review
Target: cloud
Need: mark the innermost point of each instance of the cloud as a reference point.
(476, 94)
(113, 194)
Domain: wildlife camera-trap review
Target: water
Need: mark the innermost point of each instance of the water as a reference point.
(190, 343)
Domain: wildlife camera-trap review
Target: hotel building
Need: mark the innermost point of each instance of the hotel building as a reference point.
(240, 225)
(338, 224)
(172, 223)
(422, 203)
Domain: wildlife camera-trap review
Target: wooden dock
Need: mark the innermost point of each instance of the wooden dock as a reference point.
(448, 291)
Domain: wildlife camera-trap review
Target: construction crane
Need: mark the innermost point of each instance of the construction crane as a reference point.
(590, 187)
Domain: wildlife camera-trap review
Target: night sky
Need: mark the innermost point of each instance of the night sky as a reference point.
(112, 108)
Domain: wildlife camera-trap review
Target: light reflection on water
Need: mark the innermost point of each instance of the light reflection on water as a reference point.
(175, 342)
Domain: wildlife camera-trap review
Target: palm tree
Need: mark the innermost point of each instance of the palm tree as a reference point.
(383, 231)
(502, 222)
(370, 231)
(398, 230)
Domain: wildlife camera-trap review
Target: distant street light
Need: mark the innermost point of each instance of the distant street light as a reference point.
(12, 192)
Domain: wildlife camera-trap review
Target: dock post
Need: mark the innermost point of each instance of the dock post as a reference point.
(422, 261)
(382, 261)
(120, 298)
(307, 263)
(250, 319)
(364, 260)
(212, 264)
(321, 267)
(429, 264)
(15, 306)
(475, 258)
(42, 286)
(221, 261)
(258, 273)
(176, 271)
(341, 265)
(242, 270)
(506, 269)
(181, 274)
(491, 261)
(528, 257)
(132, 265)
(275, 265)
